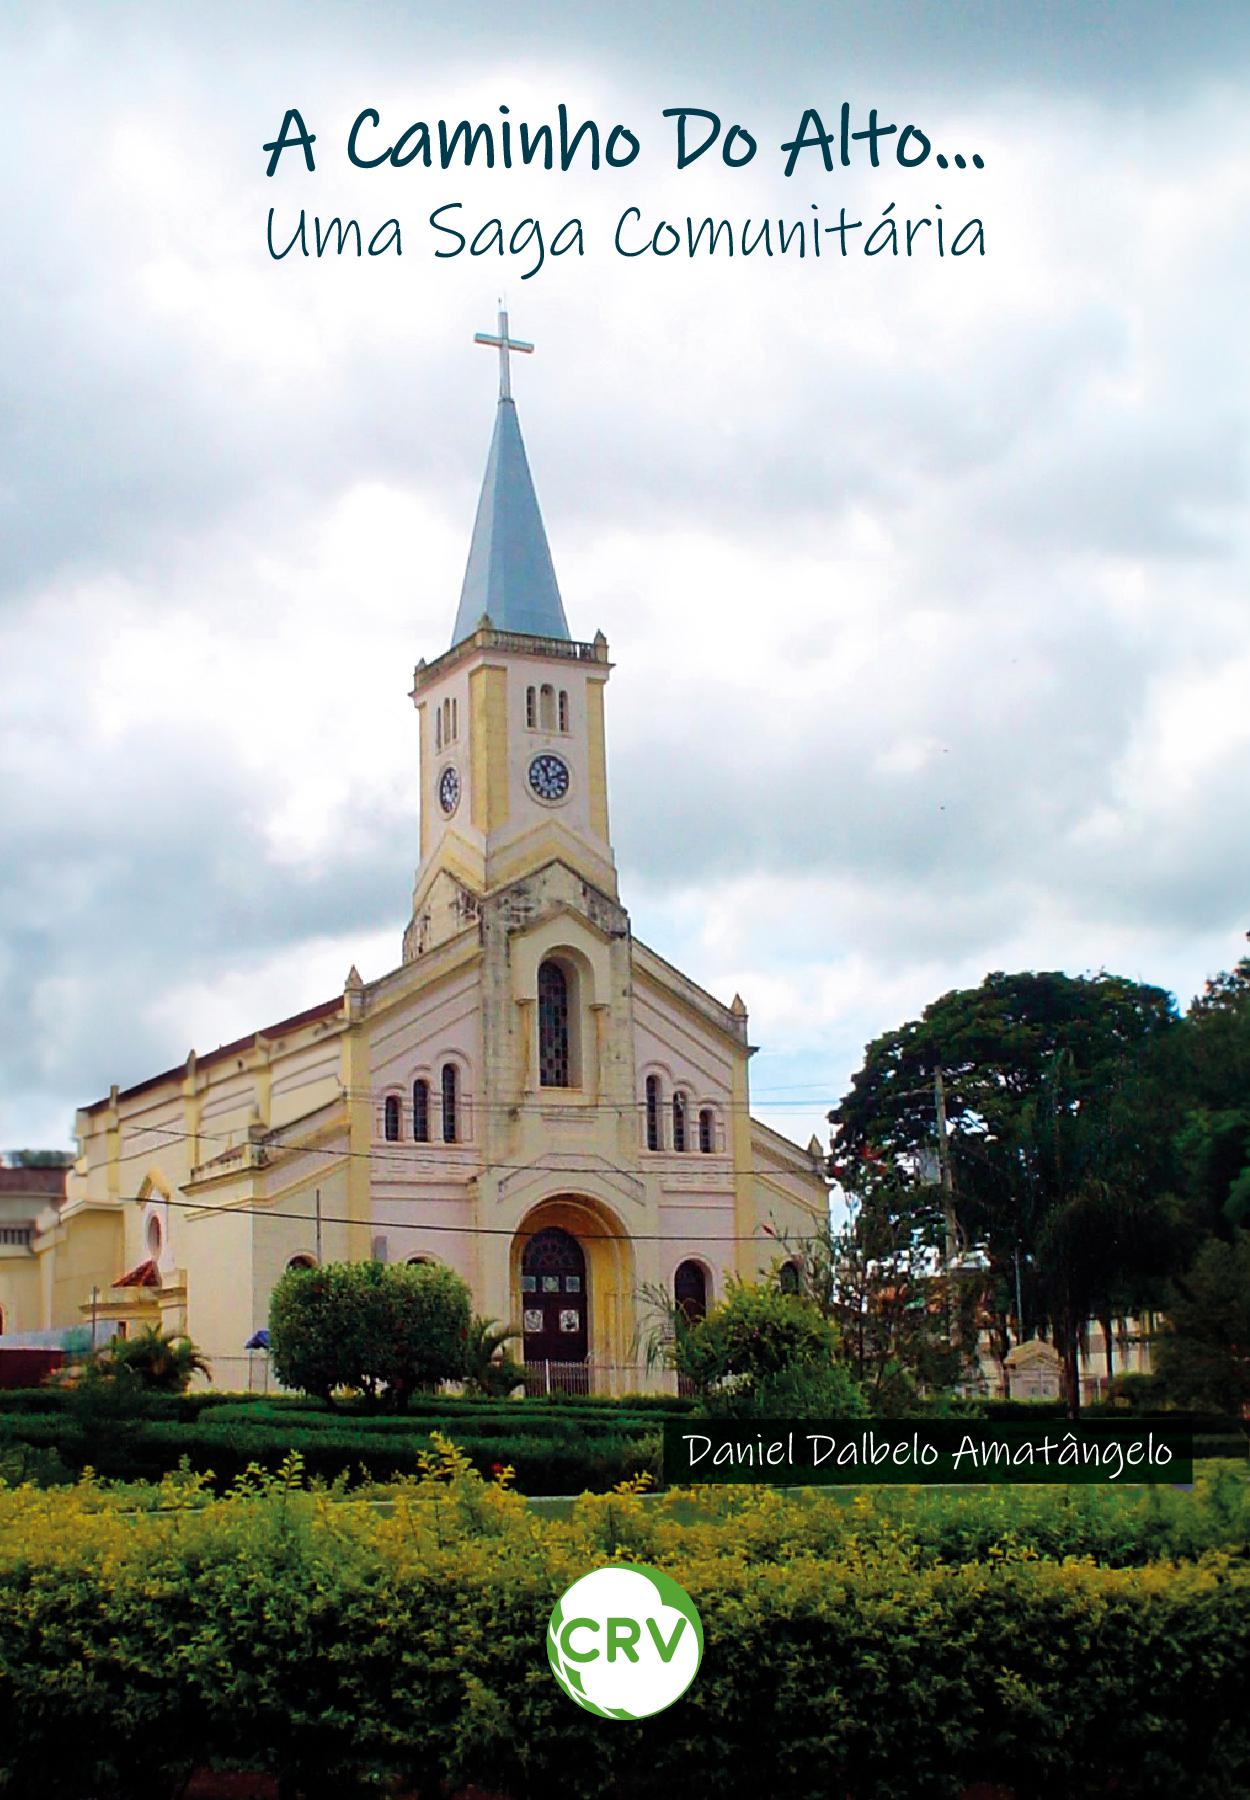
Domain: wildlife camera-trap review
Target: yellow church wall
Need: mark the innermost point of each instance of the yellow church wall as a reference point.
(788, 1190)
(427, 1218)
(488, 768)
(285, 1226)
(597, 760)
(87, 1253)
(21, 1292)
(220, 1300)
(700, 1231)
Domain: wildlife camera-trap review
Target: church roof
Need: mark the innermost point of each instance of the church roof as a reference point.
(510, 576)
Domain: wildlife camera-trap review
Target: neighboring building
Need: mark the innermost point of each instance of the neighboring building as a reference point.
(26, 1193)
(1034, 1370)
(532, 1096)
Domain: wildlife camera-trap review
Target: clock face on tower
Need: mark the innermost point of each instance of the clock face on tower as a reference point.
(549, 776)
(449, 790)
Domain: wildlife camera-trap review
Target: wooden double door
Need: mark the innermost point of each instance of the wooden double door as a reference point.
(553, 1298)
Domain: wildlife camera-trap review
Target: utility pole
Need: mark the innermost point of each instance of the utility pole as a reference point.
(944, 1170)
(1019, 1300)
(948, 1195)
(318, 1227)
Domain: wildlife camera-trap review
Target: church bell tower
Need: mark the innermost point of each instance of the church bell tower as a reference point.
(511, 717)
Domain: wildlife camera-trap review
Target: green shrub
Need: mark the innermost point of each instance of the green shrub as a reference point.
(752, 1336)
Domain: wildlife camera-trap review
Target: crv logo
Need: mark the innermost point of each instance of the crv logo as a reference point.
(625, 1641)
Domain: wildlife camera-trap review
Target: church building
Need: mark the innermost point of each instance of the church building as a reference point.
(531, 1096)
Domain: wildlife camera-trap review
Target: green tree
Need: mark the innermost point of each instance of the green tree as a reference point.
(905, 1329)
(385, 1331)
(1203, 1353)
(1059, 1116)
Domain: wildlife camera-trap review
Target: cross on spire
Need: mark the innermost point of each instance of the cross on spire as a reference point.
(503, 343)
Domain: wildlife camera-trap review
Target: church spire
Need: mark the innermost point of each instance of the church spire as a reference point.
(510, 577)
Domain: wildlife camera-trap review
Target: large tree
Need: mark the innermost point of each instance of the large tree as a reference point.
(1203, 1354)
(1058, 1160)
(1211, 1071)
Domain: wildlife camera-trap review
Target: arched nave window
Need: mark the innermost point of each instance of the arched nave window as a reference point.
(679, 1121)
(420, 1112)
(653, 1112)
(690, 1292)
(390, 1122)
(451, 1122)
(707, 1132)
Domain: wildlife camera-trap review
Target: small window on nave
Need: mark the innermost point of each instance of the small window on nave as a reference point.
(679, 1121)
(788, 1278)
(707, 1132)
(653, 1112)
(451, 1122)
(390, 1119)
(420, 1112)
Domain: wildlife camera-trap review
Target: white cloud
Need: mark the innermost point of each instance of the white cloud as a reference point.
(925, 579)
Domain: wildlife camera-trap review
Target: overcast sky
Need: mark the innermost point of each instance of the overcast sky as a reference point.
(924, 578)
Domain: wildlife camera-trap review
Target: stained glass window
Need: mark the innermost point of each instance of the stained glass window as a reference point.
(553, 1026)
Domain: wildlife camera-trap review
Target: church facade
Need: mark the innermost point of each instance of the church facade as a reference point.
(532, 1096)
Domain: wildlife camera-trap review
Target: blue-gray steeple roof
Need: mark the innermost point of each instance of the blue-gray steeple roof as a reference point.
(510, 576)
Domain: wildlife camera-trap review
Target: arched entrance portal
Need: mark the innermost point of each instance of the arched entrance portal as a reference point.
(572, 1280)
(553, 1297)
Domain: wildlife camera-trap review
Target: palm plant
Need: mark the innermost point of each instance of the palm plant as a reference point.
(489, 1369)
(163, 1362)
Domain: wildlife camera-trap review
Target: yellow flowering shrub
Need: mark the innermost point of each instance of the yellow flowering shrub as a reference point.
(397, 1635)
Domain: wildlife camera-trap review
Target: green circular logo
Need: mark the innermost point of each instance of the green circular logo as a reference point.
(625, 1641)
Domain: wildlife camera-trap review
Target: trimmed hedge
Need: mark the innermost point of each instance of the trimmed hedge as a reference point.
(547, 1457)
(337, 1647)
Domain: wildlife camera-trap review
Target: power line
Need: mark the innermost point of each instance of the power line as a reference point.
(604, 1237)
(430, 1157)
